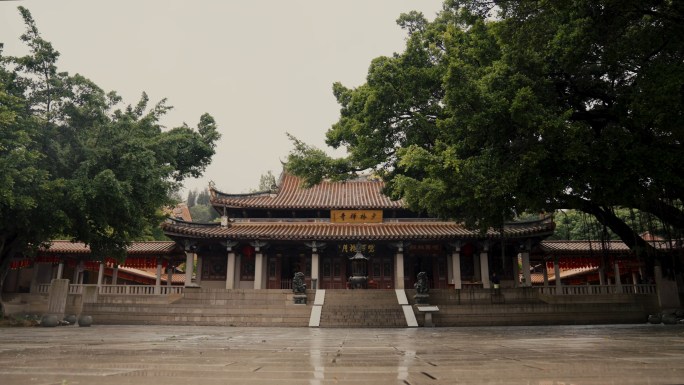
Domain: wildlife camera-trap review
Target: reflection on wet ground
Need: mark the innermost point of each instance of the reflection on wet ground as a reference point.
(544, 355)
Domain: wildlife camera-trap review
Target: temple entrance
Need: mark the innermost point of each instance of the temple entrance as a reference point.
(283, 267)
(381, 273)
(430, 258)
(333, 272)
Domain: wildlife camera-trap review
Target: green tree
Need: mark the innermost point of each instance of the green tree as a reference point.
(504, 107)
(192, 198)
(267, 182)
(203, 197)
(74, 165)
(202, 210)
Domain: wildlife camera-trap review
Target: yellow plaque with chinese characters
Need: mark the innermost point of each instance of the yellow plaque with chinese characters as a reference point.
(355, 216)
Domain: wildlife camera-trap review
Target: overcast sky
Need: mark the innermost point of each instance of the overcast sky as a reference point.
(261, 68)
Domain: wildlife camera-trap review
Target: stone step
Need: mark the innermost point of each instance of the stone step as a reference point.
(362, 308)
(209, 307)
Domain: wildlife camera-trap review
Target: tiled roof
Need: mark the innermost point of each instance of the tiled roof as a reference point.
(582, 247)
(180, 211)
(400, 230)
(353, 194)
(152, 247)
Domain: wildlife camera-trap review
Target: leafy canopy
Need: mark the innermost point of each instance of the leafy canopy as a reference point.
(75, 164)
(502, 107)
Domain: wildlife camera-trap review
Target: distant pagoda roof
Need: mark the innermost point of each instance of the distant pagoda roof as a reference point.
(407, 230)
(290, 194)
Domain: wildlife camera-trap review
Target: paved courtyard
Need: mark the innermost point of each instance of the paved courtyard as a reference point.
(612, 354)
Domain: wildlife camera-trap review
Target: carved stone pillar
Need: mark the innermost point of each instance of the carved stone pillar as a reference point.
(157, 282)
(189, 262)
(100, 274)
(456, 265)
(556, 272)
(484, 265)
(115, 274)
(60, 270)
(315, 263)
(527, 277)
(230, 265)
(169, 275)
(259, 265)
(189, 267)
(546, 274)
(399, 264)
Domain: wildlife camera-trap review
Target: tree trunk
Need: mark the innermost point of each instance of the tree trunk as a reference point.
(633, 240)
(669, 214)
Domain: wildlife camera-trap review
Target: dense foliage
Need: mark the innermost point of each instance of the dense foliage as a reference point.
(201, 210)
(502, 107)
(75, 165)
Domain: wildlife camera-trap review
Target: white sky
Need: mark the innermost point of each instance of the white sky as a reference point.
(261, 68)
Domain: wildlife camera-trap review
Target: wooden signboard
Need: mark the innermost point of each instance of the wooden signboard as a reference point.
(355, 216)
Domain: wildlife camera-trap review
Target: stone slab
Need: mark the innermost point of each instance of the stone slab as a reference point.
(320, 297)
(401, 297)
(410, 316)
(315, 320)
(428, 308)
(170, 355)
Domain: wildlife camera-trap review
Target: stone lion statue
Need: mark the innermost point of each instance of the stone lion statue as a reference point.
(421, 284)
(298, 285)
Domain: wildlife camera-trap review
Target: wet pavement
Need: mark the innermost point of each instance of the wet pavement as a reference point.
(544, 355)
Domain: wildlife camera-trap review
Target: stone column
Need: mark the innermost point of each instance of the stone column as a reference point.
(169, 275)
(258, 269)
(399, 266)
(230, 265)
(315, 269)
(618, 280)
(456, 265)
(115, 274)
(189, 267)
(60, 270)
(556, 272)
(484, 266)
(264, 270)
(157, 282)
(76, 272)
(526, 266)
(100, 274)
(259, 264)
(546, 274)
(315, 263)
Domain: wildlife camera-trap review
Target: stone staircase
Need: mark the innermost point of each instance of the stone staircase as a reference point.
(362, 309)
(219, 307)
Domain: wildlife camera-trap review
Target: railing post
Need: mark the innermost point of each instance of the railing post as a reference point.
(556, 272)
(157, 283)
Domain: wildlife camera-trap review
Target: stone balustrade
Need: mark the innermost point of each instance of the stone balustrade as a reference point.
(597, 289)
